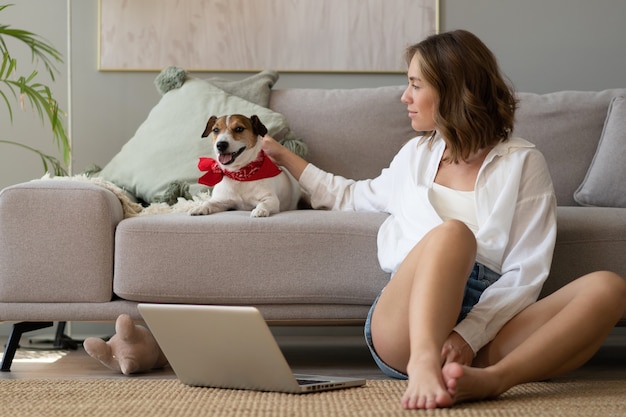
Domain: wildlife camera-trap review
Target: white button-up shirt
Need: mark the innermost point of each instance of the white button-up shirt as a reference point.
(515, 208)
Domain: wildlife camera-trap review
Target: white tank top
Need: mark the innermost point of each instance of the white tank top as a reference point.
(453, 204)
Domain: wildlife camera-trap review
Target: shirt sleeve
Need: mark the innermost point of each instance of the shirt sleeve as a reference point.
(334, 192)
(526, 262)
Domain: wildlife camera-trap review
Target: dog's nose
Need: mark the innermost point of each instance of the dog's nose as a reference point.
(221, 146)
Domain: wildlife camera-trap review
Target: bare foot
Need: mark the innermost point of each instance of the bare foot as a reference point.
(427, 389)
(465, 383)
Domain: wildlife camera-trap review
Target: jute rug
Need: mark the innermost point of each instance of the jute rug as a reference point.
(159, 397)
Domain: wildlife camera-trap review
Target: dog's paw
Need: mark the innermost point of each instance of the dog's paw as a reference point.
(200, 210)
(260, 212)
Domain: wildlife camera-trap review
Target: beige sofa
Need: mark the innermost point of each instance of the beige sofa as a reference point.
(67, 252)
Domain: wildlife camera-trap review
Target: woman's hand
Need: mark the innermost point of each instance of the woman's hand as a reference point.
(283, 156)
(456, 349)
(272, 148)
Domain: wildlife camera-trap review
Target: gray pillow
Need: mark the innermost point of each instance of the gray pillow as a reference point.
(256, 88)
(160, 161)
(605, 182)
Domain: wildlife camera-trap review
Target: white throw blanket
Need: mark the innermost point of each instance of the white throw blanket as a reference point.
(129, 204)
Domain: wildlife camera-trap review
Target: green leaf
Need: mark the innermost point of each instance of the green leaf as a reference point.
(6, 100)
(38, 96)
(49, 162)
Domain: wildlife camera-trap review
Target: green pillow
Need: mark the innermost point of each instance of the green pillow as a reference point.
(163, 154)
(256, 88)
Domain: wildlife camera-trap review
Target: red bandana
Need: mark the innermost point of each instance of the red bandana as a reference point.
(262, 167)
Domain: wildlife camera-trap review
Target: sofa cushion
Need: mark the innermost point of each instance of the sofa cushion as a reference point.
(166, 147)
(588, 239)
(605, 182)
(294, 257)
(566, 127)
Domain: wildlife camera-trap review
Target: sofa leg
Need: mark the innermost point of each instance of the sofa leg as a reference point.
(63, 341)
(14, 340)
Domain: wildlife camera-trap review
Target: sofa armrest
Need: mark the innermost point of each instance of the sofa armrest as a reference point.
(57, 242)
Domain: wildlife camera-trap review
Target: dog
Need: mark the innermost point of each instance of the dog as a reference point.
(243, 176)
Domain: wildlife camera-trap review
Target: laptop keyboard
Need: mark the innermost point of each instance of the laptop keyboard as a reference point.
(309, 381)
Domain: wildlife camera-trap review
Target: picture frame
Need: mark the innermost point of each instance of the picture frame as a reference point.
(252, 35)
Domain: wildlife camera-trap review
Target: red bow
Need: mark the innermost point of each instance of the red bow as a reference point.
(262, 167)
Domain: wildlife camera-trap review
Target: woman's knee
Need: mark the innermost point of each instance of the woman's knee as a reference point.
(454, 229)
(614, 284)
(609, 288)
(455, 234)
(455, 226)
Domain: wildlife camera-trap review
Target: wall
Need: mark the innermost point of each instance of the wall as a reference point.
(18, 165)
(549, 45)
(542, 45)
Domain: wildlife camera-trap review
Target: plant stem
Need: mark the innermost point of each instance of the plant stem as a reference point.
(46, 160)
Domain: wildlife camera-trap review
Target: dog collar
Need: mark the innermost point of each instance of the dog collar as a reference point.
(260, 168)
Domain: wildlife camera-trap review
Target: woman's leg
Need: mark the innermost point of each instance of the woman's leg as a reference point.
(419, 308)
(551, 337)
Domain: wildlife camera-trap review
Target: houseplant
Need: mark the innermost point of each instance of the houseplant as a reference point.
(25, 90)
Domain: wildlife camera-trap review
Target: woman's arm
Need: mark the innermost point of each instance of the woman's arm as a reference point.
(284, 157)
(334, 192)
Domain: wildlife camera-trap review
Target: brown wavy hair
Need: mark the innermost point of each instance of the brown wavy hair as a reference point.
(476, 105)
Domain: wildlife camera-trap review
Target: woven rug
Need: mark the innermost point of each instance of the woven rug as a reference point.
(169, 397)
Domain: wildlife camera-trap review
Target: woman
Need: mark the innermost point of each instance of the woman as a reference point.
(469, 240)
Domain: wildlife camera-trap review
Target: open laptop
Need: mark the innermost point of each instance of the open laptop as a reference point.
(228, 347)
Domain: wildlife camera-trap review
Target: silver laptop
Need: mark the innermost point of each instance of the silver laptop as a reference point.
(228, 347)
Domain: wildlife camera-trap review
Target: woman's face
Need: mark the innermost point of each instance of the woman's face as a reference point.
(420, 98)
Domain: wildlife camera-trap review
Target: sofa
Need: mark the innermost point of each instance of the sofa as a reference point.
(71, 251)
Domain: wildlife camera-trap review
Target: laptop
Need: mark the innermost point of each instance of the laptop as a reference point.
(228, 347)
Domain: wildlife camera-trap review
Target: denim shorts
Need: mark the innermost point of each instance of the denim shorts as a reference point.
(480, 278)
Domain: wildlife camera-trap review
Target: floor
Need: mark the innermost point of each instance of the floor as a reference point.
(341, 353)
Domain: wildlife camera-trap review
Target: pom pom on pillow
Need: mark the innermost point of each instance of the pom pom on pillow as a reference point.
(169, 79)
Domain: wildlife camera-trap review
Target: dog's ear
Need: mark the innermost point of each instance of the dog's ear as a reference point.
(209, 126)
(258, 126)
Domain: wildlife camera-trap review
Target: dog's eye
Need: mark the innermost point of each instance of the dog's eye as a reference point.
(216, 130)
(239, 129)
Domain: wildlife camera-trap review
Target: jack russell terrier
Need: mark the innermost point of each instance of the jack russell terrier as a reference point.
(243, 177)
